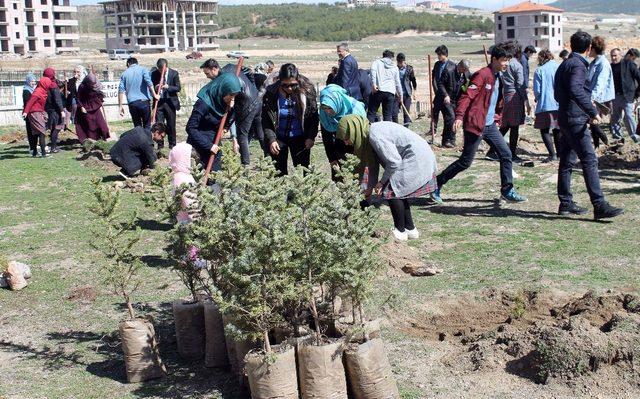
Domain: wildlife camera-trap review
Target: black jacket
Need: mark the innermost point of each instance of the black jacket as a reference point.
(410, 84)
(630, 79)
(455, 82)
(169, 94)
(307, 110)
(54, 107)
(72, 92)
(349, 77)
(445, 84)
(366, 86)
(571, 91)
(134, 151)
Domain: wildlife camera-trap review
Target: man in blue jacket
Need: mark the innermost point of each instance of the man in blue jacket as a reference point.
(575, 113)
(348, 75)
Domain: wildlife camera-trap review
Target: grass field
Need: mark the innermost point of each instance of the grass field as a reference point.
(57, 336)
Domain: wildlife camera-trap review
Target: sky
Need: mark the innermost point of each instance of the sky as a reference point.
(486, 4)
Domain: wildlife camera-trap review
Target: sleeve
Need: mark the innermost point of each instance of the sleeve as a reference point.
(635, 73)
(201, 140)
(340, 76)
(57, 100)
(149, 153)
(537, 81)
(350, 67)
(398, 83)
(147, 78)
(576, 88)
(311, 119)
(374, 74)
(267, 123)
(388, 154)
(595, 82)
(477, 83)
(25, 98)
(29, 105)
(329, 143)
(412, 78)
(93, 103)
(122, 86)
(175, 87)
(441, 87)
(520, 85)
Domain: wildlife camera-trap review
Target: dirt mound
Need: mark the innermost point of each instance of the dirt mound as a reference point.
(620, 156)
(586, 339)
(13, 137)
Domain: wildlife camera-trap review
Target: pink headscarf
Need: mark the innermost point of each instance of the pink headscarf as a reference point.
(180, 161)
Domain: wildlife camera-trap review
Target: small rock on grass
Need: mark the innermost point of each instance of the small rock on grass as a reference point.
(421, 271)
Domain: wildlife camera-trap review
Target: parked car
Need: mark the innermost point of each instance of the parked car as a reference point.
(119, 54)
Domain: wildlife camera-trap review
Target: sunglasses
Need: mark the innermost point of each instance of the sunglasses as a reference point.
(293, 86)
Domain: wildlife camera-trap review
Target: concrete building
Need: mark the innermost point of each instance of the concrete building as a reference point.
(368, 3)
(160, 25)
(38, 26)
(532, 24)
(434, 5)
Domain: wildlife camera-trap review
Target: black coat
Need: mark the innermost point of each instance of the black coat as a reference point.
(366, 86)
(54, 107)
(571, 91)
(349, 77)
(173, 80)
(271, 111)
(72, 93)
(630, 79)
(455, 82)
(445, 84)
(134, 151)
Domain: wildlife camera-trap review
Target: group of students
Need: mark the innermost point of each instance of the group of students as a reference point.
(50, 104)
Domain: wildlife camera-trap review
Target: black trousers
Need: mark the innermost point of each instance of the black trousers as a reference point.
(406, 100)
(335, 149)
(167, 115)
(387, 100)
(401, 213)
(33, 139)
(448, 116)
(140, 113)
(299, 154)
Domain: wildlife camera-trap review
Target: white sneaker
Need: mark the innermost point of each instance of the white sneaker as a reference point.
(400, 235)
(413, 234)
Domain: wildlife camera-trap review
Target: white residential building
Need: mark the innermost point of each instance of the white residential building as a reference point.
(434, 5)
(38, 26)
(532, 24)
(368, 3)
(160, 25)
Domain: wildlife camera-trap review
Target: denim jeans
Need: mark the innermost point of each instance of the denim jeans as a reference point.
(621, 105)
(575, 141)
(497, 143)
(387, 100)
(140, 113)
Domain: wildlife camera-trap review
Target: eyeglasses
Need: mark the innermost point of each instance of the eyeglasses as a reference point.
(292, 86)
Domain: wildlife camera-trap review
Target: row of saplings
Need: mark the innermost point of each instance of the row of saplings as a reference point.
(278, 269)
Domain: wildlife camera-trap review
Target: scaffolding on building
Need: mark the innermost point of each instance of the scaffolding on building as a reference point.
(161, 25)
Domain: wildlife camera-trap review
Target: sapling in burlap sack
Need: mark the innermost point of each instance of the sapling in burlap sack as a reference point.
(250, 246)
(116, 241)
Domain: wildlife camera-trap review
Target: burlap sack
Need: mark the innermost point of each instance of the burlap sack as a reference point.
(273, 380)
(215, 346)
(321, 371)
(369, 371)
(230, 346)
(15, 276)
(190, 332)
(141, 357)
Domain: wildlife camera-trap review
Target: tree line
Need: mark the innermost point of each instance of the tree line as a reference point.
(324, 22)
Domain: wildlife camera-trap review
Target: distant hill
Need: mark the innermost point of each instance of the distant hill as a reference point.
(90, 19)
(599, 6)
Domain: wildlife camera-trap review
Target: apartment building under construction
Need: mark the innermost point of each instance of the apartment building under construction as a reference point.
(38, 26)
(160, 25)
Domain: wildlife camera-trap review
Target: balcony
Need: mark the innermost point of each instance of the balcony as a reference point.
(67, 49)
(67, 36)
(65, 22)
(65, 9)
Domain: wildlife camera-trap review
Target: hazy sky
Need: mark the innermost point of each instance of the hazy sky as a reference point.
(487, 4)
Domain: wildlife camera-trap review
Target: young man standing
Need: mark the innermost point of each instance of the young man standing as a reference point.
(386, 88)
(136, 83)
(477, 112)
(576, 111)
(444, 71)
(348, 76)
(169, 102)
(409, 85)
(626, 82)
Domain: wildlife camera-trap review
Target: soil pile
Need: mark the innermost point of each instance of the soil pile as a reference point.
(620, 156)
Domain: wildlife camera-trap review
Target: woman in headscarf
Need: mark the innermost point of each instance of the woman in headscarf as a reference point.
(90, 122)
(55, 112)
(335, 103)
(34, 109)
(180, 161)
(409, 166)
(546, 104)
(79, 73)
(28, 88)
(213, 101)
(290, 118)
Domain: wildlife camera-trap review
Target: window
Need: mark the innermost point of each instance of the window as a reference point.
(535, 19)
(499, 17)
(43, 2)
(553, 19)
(535, 32)
(15, 6)
(45, 29)
(17, 35)
(16, 20)
(511, 21)
(559, 43)
(545, 18)
(511, 34)
(553, 32)
(45, 15)
(47, 43)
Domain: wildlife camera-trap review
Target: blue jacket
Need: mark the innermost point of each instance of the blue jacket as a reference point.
(571, 91)
(349, 77)
(543, 79)
(601, 80)
(135, 81)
